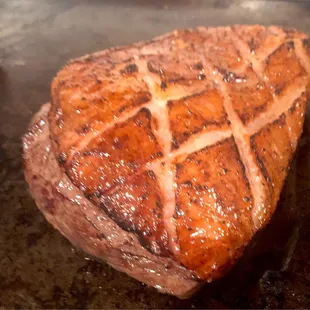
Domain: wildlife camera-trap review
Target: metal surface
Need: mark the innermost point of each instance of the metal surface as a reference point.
(38, 267)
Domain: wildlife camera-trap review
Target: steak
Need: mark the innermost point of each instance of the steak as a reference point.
(164, 158)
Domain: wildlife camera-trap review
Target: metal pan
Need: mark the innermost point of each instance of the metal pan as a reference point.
(39, 268)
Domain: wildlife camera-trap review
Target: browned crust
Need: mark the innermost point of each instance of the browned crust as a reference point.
(227, 74)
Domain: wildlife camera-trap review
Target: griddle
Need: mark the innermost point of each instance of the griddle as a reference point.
(38, 267)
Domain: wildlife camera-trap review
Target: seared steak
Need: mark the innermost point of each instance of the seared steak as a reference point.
(165, 157)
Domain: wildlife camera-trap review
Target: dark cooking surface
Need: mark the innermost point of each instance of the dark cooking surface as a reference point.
(38, 267)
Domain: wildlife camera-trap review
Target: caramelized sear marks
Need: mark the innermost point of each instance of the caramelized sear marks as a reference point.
(274, 146)
(115, 154)
(219, 49)
(213, 209)
(97, 96)
(179, 74)
(140, 131)
(138, 206)
(249, 95)
(193, 114)
(282, 68)
(261, 40)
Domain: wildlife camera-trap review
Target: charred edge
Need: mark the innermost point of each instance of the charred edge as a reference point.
(172, 103)
(279, 88)
(175, 80)
(151, 174)
(188, 183)
(246, 199)
(306, 44)
(252, 45)
(83, 129)
(122, 108)
(121, 223)
(198, 66)
(262, 108)
(201, 76)
(157, 154)
(101, 236)
(281, 121)
(132, 68)
(163, 85)
(186, 135)
(217, 144)
(174, 143)
(293, 108)
(145, 112)
(91, 152)
(140, 99)
(87, 195)
(62, 158)
(247, 183)
(152, 69)
(147, 96)
(136, 118)
(290, 32)
(259, 161)
(158, 205)
(142, 112)
(140, 122)
(178, 168)
(220, 70)
(210, 123)
(98, 193)
(154, 247)
(130, 227)
(145, 244)
(288, 45)
(246, 117)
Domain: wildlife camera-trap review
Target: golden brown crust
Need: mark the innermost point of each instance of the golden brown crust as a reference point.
(214, 205)
(274, 146)
(199, 112)
(140, 210)
(163, 107)
(117, 153)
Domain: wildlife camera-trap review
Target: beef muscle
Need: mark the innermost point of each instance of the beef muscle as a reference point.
(165, 157)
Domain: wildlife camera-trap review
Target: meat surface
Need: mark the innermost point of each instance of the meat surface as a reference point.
(164, 158)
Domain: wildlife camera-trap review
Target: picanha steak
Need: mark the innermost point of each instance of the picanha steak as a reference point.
(165, 157)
